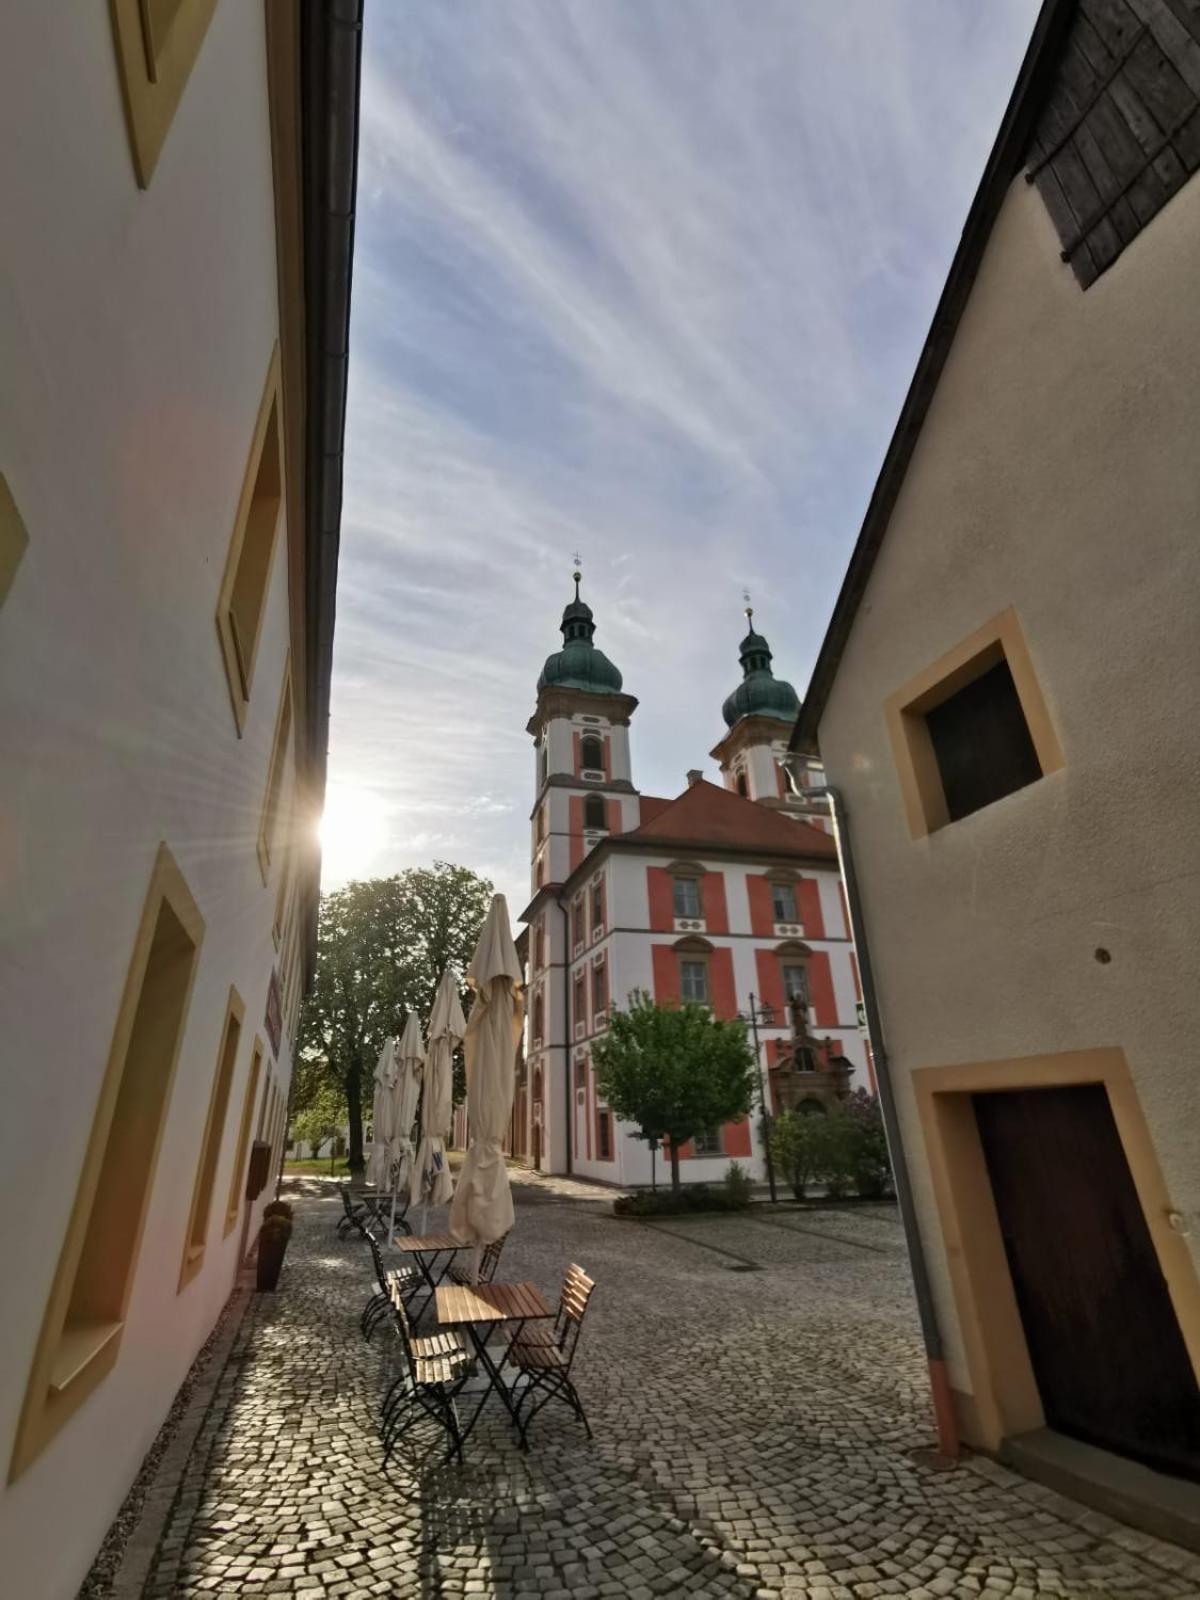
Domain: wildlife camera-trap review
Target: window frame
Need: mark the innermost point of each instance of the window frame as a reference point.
(922, 794)
(694, 958)
(208, 1161)
(784, 886)
(709, 1137)
(50, 1401)
(239, 672)
(233, 1204)
(281, 743)
(585, 740)
(593, 803)
(691, 880)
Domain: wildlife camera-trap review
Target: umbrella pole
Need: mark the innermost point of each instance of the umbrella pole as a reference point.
(392, 1220)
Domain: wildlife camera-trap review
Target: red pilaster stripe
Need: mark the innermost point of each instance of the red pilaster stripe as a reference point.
(613, 808)
(808, 904)
(737, 1138)
(762, 918)
(820, 989)
(724, 991)
(666, 974)
(662, 899)
(713, 903)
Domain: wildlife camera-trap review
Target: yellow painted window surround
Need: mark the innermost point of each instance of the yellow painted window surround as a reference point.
(244, 586)
(157, 42)
(214, 1133)
(14, 540)
(275, 774)
(999, 639)
(85, 1313)
(238, 1175)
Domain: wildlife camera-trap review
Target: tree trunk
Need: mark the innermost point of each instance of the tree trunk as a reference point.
(674, 1166)
(355, 1160)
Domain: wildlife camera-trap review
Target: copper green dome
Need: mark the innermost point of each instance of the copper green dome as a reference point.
(760, 693)
(579, 665)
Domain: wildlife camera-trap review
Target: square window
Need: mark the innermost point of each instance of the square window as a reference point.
(783, 902)
(795, 984)
(604, 1136)
(693, 981)
(708, 1143)
(687, 897)
(971, 728)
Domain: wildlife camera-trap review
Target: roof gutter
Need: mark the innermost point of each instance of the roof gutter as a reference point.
(330, 83)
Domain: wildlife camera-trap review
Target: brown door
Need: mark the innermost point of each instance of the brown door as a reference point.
(1104, 1341)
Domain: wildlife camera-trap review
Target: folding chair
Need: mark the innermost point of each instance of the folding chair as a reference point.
(433, 1370)
(353, 1211)
(488, 1262)
(544, 1364)
(392, 1283)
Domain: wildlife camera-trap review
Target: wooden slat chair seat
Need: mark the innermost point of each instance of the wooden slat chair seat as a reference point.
(488, 1262)
(432, 1371)
(544, 1366)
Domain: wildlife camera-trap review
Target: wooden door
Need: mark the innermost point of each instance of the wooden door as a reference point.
(1104, 1341)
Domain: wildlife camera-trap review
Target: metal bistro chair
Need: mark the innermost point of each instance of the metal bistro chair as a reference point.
(353, 1210)
(488, 1262)
(392, 1284)
(433, 1370)
(544, 1356)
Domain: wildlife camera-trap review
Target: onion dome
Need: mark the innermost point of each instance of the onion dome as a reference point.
(579, 665)
(760, 693)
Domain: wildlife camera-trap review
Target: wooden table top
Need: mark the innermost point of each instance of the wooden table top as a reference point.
(489, 1302)
(415, 1243)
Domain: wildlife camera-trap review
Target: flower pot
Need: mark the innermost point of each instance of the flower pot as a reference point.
(272, 1246)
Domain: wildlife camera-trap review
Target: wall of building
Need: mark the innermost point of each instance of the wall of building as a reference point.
(1056, 473)
(137, 329)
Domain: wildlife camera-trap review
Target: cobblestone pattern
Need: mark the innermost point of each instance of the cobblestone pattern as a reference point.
(758, 1433)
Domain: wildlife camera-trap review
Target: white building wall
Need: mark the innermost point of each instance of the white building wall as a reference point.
(137, 328)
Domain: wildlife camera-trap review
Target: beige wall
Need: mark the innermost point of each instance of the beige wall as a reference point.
(1059, 473)
(137, 328)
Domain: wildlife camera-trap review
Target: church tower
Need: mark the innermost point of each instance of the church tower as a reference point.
(760, 715)
(583, 787)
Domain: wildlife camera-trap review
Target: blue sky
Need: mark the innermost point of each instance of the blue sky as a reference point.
(644, 279)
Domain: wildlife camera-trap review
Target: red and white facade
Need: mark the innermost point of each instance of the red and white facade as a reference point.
(718, 895)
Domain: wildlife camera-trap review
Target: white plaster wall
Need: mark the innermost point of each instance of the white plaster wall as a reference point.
(136, 329)
(1058, 472)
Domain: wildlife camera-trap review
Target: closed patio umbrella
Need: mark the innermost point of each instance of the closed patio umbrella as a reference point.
(383, 1111)
(483, 1209)
(431, 1180)
(410, 1059)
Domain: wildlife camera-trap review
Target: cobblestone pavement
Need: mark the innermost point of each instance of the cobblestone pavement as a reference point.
(759, 1405)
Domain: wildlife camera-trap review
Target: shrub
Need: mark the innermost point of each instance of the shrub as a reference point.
(797, 1148)
(738, 1186)
(277, 1208)
(844, 1150)
(674, 1203)
(275, 1229)
(870, 1165)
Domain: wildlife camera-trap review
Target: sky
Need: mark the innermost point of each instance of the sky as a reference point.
(642, 280)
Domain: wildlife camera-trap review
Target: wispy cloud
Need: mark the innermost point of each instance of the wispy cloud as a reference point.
(645, 279)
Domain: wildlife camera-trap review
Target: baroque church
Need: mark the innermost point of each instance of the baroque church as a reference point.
(728, 894)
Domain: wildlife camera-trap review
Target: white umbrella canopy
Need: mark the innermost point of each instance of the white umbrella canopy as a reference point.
(431, 1180)
(383, 1117)
(483, 1209)
(409, 1058)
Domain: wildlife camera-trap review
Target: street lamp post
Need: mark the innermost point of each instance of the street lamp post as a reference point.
(764, 1013)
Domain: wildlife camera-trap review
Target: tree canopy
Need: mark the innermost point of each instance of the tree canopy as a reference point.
(676, 1071)
(382, 945)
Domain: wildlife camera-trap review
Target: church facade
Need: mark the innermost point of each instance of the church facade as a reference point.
(728, 894)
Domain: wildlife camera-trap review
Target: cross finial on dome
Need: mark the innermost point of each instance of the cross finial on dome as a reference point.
(577, 574)
(749, 609)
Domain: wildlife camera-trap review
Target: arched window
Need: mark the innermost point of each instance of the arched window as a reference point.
(592, 753)
(742, 786)
(538, 1017)
(593, 811)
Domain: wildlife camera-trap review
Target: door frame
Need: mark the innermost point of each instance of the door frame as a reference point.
(1003, 1398)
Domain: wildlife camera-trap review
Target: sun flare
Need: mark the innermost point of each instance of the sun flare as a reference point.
(352, 831)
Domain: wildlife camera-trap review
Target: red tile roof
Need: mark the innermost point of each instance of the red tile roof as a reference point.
(650, 806)
(705, 814)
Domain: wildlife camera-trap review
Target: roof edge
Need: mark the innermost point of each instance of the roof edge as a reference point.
(1016, 126)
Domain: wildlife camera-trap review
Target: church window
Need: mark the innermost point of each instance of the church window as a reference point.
(783, 902)
(593, 811)
(597, 904)
(592, 753)
(543, 762)
(687, 897)
(693, 980)
(539, 1015)
(541, 823)
(742, 786)
(795, 983)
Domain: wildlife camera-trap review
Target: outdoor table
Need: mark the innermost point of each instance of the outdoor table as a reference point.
(426, 1248)
(485, 1306)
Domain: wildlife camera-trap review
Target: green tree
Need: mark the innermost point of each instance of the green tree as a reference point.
(381, 947)
(323, 1108)
(674, 1070)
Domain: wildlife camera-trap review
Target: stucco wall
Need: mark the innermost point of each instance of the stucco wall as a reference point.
(137, 328)
(1058, 472)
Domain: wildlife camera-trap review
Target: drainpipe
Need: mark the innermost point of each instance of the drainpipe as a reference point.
(939, 1383)
(566, 982)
